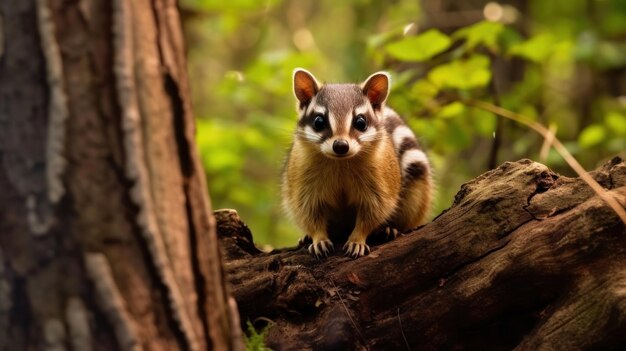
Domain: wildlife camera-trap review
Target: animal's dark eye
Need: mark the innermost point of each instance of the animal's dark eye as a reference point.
(319, 122)
(360, 123)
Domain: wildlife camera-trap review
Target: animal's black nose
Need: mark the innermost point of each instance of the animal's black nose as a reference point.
(340, 146)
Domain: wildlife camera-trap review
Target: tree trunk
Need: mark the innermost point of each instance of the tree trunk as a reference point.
(524, 258)
(106, 237)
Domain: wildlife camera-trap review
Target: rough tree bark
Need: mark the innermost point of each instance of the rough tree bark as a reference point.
(107, 241)
(524, 258)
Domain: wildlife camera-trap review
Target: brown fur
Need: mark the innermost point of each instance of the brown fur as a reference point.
(314, 184)
(349, 198)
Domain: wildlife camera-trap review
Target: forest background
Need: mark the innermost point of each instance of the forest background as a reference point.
(561, 63)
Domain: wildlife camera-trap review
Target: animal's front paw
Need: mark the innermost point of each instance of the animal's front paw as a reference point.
(356, 250)
(321, 248)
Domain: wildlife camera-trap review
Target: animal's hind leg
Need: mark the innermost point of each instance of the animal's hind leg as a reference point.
(414, 205)
(391, 233)
(383, 234)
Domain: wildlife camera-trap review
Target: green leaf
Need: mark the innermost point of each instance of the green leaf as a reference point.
(536, 49)
(451, 110)
(616, 122)
(592, 135)
(462, 74)
(419, 48)
(485, 33)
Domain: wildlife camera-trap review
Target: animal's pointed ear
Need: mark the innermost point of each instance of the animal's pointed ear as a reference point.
(376, 88)
(305, 86)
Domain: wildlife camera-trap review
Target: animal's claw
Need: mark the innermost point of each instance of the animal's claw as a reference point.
(321, 248)
(356, 250)
(392, 233)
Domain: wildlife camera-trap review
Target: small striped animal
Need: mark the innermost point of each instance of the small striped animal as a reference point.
(354, 167)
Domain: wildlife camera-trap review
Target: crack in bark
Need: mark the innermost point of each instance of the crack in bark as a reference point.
(460, 267)
(179, 125)
(542, 185)
(199, 280)
(21, 314)
(186, 166)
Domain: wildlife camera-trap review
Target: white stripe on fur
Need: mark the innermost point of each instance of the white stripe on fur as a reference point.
(413, 156)
(400, 133)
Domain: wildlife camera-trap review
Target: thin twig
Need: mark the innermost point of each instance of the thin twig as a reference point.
(547, 143)
(558, 146)
(406, 342)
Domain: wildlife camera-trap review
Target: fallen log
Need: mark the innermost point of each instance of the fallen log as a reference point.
(523, 259)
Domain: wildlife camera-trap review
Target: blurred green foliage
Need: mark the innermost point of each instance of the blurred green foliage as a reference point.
(560, 62)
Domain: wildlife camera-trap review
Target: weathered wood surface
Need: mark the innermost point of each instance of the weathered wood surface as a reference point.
(524, 258)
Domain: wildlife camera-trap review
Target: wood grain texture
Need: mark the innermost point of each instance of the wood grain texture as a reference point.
(523, 259)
